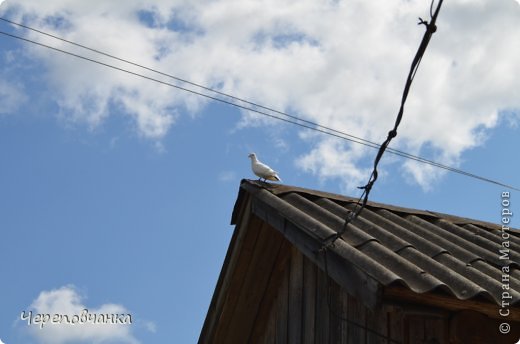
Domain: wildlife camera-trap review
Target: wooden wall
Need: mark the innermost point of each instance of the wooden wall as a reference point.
(270, 293)
(300, 313)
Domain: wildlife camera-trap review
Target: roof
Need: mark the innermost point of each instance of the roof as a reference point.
(422, 251)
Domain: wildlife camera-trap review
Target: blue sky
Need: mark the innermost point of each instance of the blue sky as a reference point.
(116, 192)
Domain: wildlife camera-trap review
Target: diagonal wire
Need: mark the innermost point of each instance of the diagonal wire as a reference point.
(370, 143)
(293, 119)
(363, 199)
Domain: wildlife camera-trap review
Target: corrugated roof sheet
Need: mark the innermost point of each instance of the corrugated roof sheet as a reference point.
(422, 250)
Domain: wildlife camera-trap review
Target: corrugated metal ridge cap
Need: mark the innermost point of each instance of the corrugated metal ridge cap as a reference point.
(281, 189)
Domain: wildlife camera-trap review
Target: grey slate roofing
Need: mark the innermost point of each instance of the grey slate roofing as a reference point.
(422, 250)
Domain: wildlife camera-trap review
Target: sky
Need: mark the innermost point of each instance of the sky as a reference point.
(116, 191)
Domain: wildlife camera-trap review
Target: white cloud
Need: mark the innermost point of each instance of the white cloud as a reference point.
(150, 326)
(339, 63)
(332, 159)
(11, 96)
(68, 301)
(227, 176)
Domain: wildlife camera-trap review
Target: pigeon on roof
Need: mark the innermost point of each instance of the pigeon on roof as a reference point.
(262, 170)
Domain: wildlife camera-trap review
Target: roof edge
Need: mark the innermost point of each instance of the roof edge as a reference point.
(280, 189)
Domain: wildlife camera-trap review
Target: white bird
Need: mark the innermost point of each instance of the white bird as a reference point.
(262, 170)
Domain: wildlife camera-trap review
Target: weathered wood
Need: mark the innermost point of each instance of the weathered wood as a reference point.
(377, 322)
(414, 329)
(322, 309)
(436, 330)
(450, 303)
(345, 327)
(473, 327)
(395, 324)
(282, 311)
(357, 315)
(351, 278)
(295, 297)
(267, 312)
(309, 301)
(236, 263)
(269, 330)
(336, 314)
(254, 285)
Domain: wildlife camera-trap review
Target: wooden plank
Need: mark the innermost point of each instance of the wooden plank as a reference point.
(345, 327)
(254, 285)
(377, 321)
(449, 303)
(269, 331)
(395, 324)
(224, 280)
(309, 301)
(357, 315)
(322, 309)
(267, 312)
(295, 297)
(231, 278)
(436, 330)
(414, 329)
(282, 311)
(336, 314)
(473, 327)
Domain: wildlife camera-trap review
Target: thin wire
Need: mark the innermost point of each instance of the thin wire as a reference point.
(369, 143)
(187, 81)
(297, 121)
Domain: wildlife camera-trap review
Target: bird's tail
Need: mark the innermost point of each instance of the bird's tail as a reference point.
(274, 178)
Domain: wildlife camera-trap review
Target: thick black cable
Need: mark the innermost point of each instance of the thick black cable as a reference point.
(362, 201)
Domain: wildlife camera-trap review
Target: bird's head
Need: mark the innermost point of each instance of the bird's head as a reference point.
(252, 156)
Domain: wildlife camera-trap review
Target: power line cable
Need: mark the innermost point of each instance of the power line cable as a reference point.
(363, 199)
(293, 119)
(187, 90)
(369, 143)
(341, 133)
(375, 145)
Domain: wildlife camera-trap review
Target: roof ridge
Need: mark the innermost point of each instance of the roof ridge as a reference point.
(281, 189)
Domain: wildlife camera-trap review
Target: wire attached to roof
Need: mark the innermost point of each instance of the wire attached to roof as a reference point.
(363, 199)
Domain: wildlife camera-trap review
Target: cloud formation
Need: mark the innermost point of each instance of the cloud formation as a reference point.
(338, 63)
(11, 96)
(68, 301)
